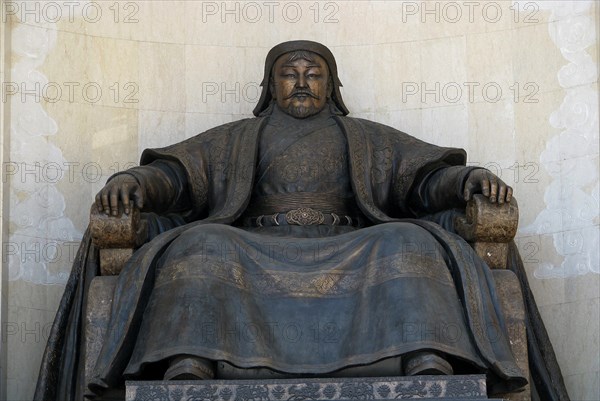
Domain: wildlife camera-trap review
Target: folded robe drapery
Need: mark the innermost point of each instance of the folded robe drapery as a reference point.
(372, 173)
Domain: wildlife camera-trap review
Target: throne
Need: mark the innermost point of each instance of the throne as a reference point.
(489, 228)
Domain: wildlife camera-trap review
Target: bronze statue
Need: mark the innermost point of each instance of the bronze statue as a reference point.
(303, 242)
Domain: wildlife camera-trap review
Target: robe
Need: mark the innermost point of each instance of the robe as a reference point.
(351, 295)
(303, 299)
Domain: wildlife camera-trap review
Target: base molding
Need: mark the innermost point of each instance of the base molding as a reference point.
(471, 387)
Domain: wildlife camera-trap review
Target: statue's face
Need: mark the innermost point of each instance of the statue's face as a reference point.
(301, 86)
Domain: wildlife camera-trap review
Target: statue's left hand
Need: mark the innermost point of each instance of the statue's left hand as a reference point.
(481, 181)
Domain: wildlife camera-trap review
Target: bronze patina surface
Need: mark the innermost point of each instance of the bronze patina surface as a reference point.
(302, 241)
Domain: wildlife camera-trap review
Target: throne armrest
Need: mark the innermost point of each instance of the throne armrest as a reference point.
(489, 227)
(116, 237)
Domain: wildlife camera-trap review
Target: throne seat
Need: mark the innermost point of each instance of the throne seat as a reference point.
(487, 227)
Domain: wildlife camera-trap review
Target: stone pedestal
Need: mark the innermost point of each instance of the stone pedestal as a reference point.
(470, 388)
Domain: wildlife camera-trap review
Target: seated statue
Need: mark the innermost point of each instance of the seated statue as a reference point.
(303, 242)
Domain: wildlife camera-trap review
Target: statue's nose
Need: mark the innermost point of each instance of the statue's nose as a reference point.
(301, 82)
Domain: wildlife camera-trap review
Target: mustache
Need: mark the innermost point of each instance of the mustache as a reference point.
(302, 93)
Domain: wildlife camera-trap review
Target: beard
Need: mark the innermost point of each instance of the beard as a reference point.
(302, 111)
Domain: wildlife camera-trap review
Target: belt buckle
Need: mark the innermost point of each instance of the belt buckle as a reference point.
(304, 216)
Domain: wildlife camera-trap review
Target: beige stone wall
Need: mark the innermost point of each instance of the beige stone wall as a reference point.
(514, 84)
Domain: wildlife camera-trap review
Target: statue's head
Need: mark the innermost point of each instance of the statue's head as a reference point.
(301, 77)
(300, 83)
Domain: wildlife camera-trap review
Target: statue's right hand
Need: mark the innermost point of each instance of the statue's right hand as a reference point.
(122, 189)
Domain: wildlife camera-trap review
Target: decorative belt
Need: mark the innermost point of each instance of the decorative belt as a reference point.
(303, 216)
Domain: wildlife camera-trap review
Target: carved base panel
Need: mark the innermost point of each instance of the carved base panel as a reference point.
(379, 388)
